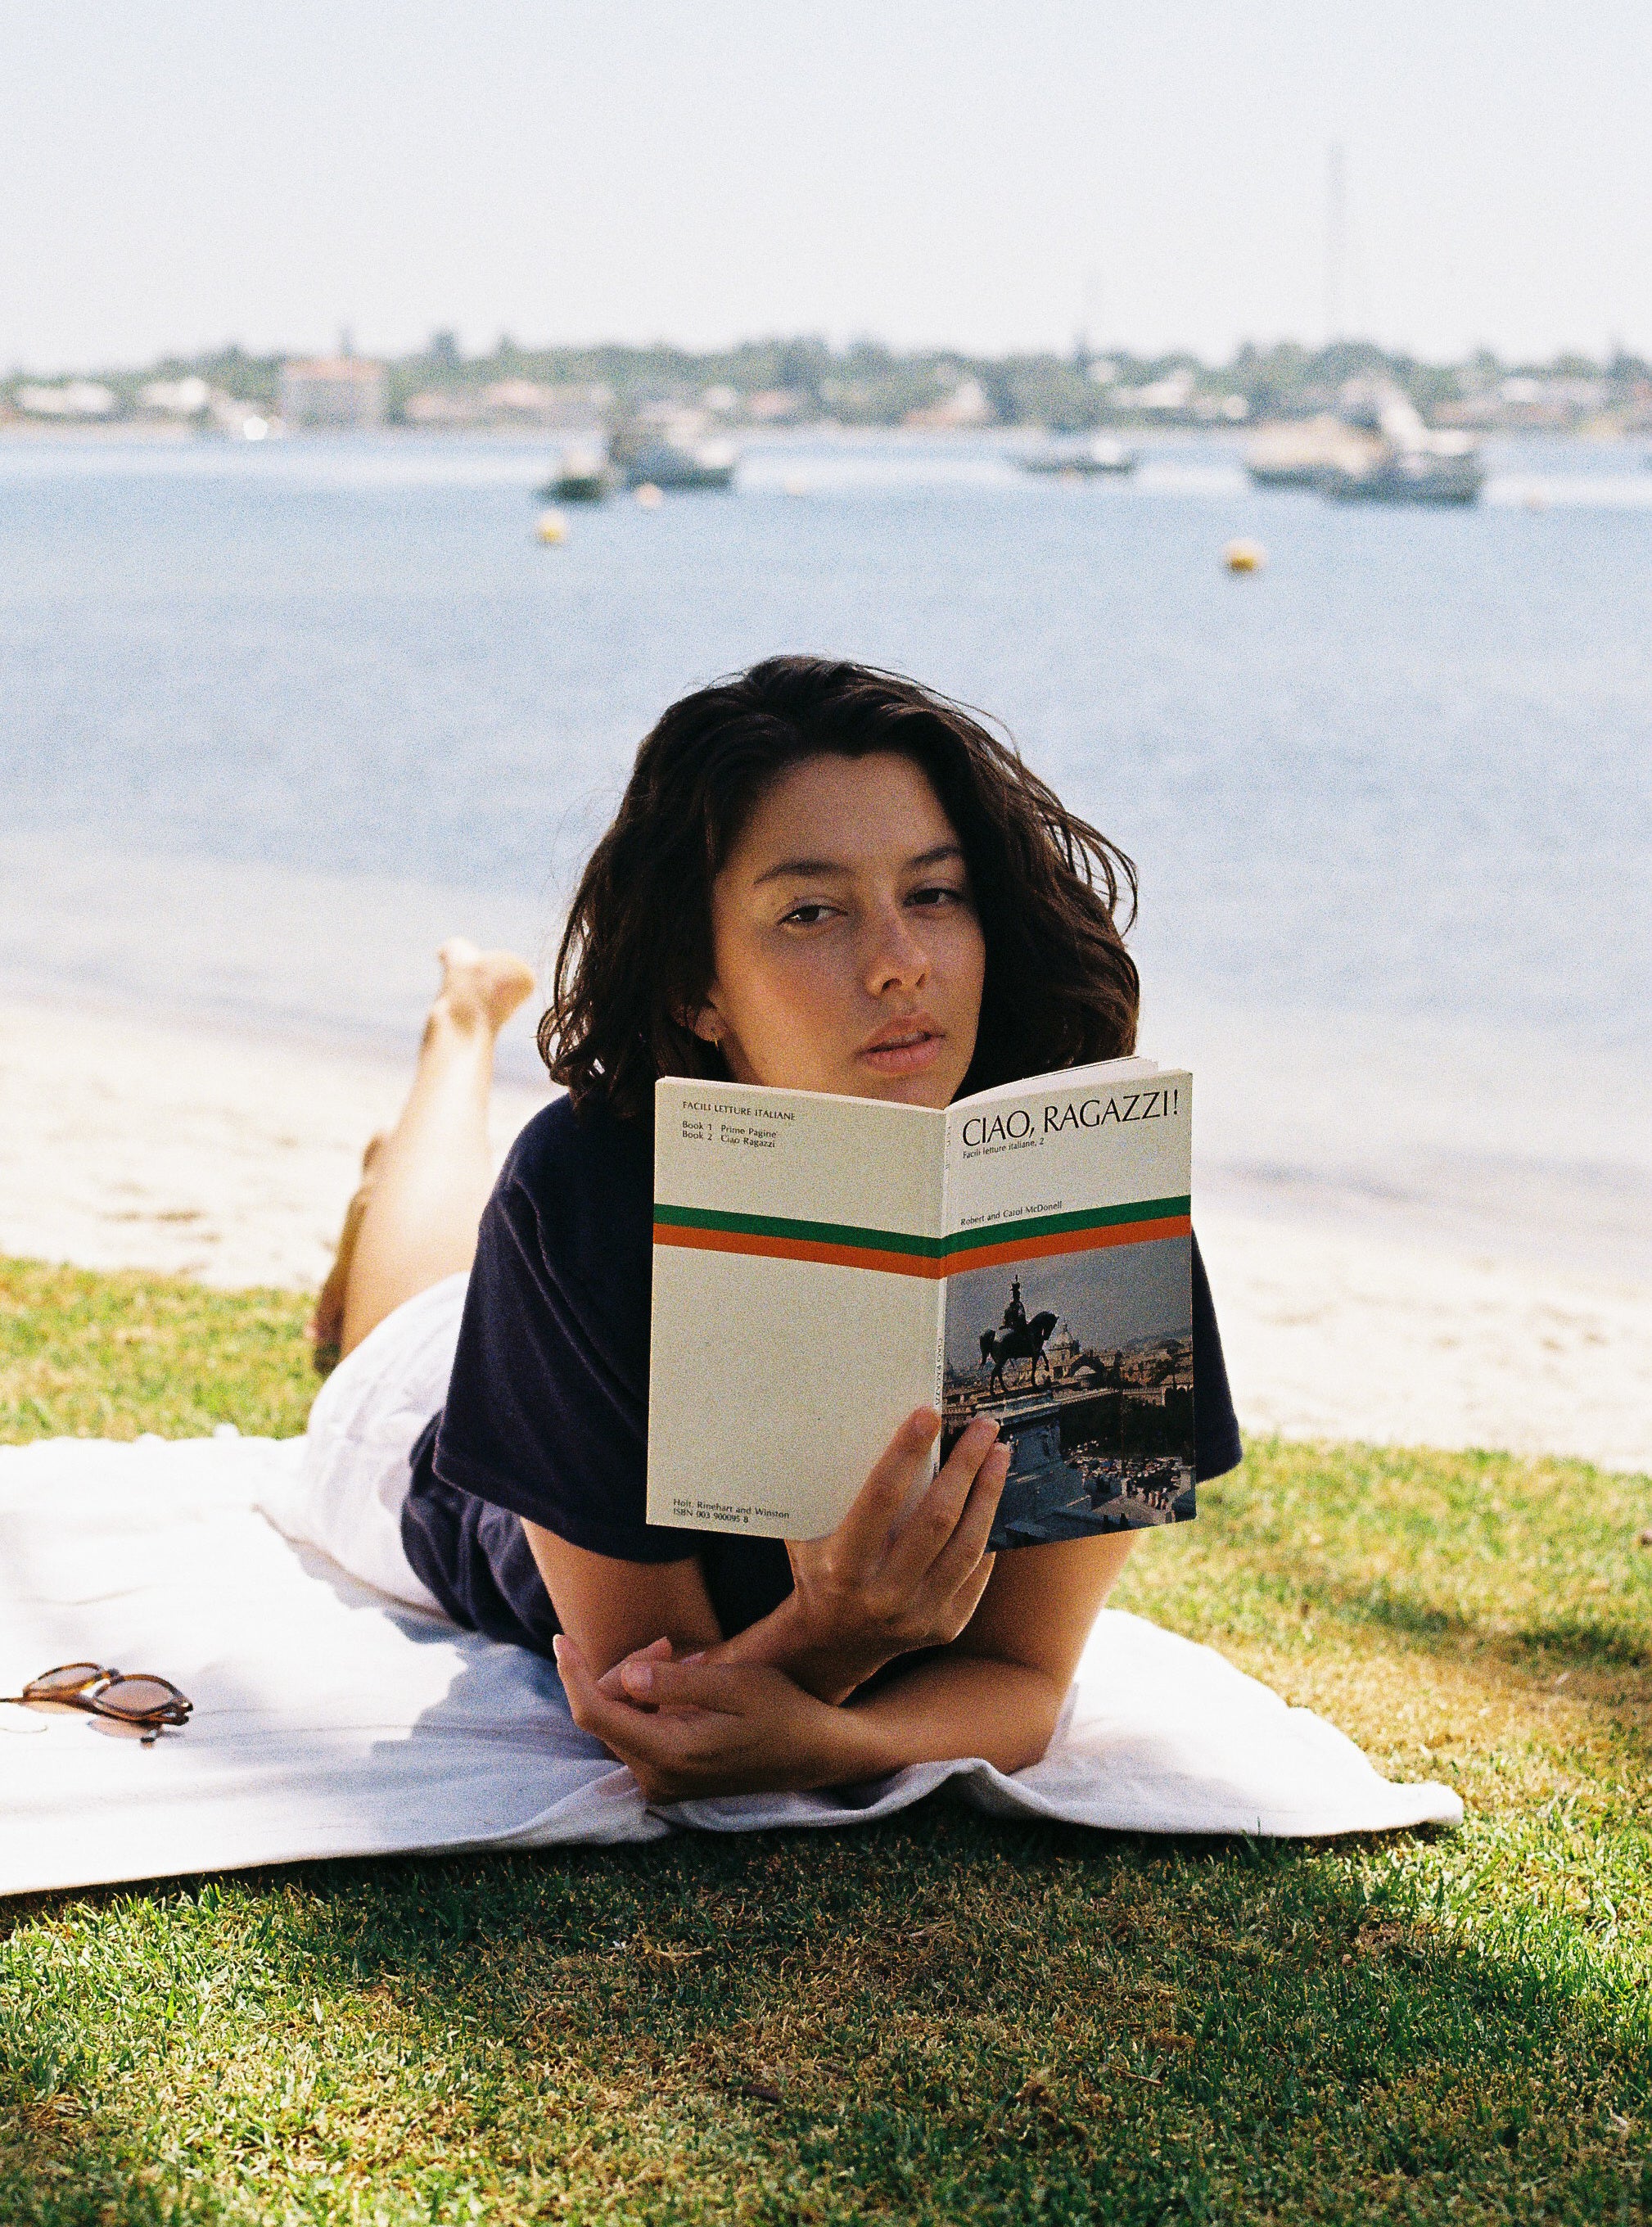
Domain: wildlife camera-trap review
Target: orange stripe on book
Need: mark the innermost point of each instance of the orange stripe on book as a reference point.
(1070, 1241)
(798, 1248)
(909, 1264)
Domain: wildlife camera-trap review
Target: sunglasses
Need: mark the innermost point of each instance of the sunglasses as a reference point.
(144, 1701)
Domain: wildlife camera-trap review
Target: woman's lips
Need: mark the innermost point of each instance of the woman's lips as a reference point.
(907, 1054)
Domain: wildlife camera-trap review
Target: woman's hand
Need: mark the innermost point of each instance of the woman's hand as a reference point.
(876, 1587)
(613, 1682)
(688, 1730)
(879, 1585)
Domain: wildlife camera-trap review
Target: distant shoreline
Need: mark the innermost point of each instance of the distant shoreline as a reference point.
(93, 429)
(67, 432)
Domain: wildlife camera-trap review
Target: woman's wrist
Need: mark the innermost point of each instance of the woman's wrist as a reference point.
(829, 1665)
(858, 1747)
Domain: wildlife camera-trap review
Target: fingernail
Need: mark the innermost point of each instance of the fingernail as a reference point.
(639, 1677)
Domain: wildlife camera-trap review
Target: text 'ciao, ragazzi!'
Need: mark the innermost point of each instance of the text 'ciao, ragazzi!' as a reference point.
(1021, 1121)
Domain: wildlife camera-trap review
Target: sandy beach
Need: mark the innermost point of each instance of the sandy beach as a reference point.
(129, 1144)
(126, 1143)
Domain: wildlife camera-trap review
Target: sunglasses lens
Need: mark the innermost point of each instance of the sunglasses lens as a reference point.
(138, 1697)
(68, 1680)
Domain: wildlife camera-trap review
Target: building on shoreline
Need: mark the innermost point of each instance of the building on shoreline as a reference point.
(339, 394)
(510, 405)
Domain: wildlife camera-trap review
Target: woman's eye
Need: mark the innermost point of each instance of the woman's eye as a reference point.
(938, 893)
(806, 915)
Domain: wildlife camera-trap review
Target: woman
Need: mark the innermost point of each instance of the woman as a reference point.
(821, 877)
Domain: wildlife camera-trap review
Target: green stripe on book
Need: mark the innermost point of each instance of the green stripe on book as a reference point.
(924, 1248)
(811, 1233)
(1058, 1225)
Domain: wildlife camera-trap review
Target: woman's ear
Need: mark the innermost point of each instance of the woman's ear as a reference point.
(705, 1021)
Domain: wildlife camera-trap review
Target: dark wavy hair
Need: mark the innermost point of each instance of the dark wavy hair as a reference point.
(636, 955)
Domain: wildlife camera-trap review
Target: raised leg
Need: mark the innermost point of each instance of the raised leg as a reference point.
(327, 1323)
(423, 1186)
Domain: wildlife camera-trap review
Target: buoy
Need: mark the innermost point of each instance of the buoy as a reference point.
(553, 527)
(649, 496)
(1244, 556)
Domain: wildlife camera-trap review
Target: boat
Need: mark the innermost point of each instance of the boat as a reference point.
(582, 474)
(684, 464)
(1404, 461)
(1375, 449)
(1408, 476)
(1083, 456)
(1295, 455)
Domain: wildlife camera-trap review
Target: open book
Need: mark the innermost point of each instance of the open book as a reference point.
(822, 1266)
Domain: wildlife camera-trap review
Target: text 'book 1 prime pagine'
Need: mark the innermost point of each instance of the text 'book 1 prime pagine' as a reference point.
(822, 1266)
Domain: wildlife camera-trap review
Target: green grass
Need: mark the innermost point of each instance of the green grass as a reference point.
(945, 2018)
(86, 1355)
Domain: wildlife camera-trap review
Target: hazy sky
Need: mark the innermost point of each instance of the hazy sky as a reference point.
(177, 174)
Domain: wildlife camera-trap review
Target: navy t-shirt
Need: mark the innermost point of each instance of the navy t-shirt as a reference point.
(547, 1408)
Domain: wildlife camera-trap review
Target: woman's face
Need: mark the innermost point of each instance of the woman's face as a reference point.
(847, 952)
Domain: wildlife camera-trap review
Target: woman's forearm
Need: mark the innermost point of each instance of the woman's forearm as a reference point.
(954, 1705)
(694, 1729)
(958, 1705)
(781, 1640)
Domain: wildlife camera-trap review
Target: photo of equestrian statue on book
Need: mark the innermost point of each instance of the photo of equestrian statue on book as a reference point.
(824, 1265)
(1087, 1363)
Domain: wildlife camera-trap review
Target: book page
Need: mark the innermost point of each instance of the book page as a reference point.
(797, 1278)
(1069, 1309)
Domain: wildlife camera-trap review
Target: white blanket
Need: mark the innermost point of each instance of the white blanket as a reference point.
(330, 1722)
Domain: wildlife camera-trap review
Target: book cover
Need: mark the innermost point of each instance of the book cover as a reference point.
(824, 1265)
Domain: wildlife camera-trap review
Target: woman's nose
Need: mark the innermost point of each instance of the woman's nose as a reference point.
(898, 953)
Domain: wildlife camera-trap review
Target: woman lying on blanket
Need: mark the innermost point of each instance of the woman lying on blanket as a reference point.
(821, 877)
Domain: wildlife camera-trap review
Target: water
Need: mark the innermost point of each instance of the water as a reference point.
(275, 717)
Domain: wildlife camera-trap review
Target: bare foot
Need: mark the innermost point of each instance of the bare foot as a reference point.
(327, 1324)
(485, 987)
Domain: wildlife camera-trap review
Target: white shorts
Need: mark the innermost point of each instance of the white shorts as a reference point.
(347, 1496)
